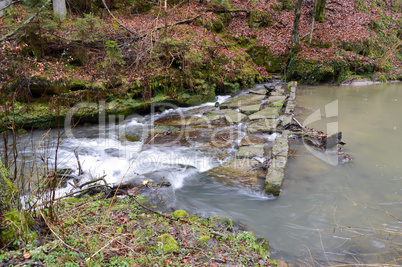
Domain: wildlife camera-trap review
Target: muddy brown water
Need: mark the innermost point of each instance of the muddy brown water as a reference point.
(328, 213)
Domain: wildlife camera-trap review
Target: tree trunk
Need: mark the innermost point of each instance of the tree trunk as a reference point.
(295, 32)
(3, 6)
(60, 9)
(312, 22)
(320, 12)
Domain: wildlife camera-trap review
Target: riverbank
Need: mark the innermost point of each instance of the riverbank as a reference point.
(97, 231)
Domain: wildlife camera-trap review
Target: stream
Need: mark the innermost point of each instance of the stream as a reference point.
(344, 213)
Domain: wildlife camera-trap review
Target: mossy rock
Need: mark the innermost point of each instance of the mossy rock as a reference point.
(259, 19)
(220, 4)
(287, 5)
(219, 24)
(180, 214)
(131, 138)
(176, 2)
(203, 239)
(262, 56)
(321, 44)
(167, 243)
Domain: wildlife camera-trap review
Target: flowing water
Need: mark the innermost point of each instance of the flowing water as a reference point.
(326, 214)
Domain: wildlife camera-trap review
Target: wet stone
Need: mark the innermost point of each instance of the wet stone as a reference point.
(164, 129)
(274, 180)
(250, 151)
(251, 139)
(266, 113)
(277, 105)
(261, 91)
(276, 93)
(281, 147)
(279, 98)
(243, 100)
(205, 119)
(289, 108)
(248, 110)
(131, 137)
(237, 171)
(287, 119)
(262, 126)
(232, 116)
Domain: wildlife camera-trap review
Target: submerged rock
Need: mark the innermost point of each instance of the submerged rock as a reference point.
(250, 151)
(237, 171)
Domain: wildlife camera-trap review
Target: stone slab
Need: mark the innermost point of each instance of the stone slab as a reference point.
(261, 91)
(287, 119)
(273, 181)
(250, 151)
(252, 139)
(275, 176)
(242, 100)
(248, 110)
(262, 126)
(232, 116)
(237, 170)
(280, 98)
(276, 93)
(266, 113)
(281, 147)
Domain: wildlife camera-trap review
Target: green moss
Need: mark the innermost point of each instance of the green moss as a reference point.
(218, 24)
(272, 189)
(18, 228)
(203, 239)
(287, 5)
(259, 19)
(220, 4)
(167, 243)
(321, 44)
(262, 56)
(180, 214)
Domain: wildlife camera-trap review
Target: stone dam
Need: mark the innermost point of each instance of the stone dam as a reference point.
(248, 132)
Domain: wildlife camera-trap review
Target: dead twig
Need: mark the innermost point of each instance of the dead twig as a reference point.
(110, 13)
(7, 36)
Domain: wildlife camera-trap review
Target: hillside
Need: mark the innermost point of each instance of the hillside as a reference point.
(189, 51)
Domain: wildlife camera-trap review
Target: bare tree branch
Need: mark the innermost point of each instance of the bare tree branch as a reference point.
(5, 37)
(7, 6)
(110, 13)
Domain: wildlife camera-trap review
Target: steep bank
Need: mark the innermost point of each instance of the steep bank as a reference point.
(186, 52)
